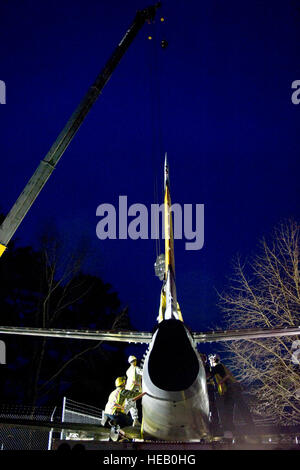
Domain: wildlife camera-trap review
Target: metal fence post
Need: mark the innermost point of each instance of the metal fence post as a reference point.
(51, 432)
(63, 416)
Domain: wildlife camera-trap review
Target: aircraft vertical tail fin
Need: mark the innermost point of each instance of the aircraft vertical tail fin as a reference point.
(169, 308)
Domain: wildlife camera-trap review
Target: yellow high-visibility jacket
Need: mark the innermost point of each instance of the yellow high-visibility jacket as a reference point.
(222, 388)
(116, 401)
(134, 378)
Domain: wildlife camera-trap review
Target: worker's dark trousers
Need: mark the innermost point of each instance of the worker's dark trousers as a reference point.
(214, 415)
(120, 419)
(233, 401)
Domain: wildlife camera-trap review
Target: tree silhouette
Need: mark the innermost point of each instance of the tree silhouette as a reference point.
(47, 289)
(266, 293)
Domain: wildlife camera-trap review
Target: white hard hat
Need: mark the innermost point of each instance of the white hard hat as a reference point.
(214, 358)
(131, 359)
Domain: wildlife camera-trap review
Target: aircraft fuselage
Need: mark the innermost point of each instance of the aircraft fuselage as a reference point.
(176, 405)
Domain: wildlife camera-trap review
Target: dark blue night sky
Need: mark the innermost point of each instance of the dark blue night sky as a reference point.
(217, 99)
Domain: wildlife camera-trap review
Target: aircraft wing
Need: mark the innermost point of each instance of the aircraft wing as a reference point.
(119, 336)
(145, 337)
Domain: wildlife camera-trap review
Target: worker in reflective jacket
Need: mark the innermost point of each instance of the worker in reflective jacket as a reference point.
(231, 392)
(134, 375)
(134, 383)
(211, 391)
(115, 407)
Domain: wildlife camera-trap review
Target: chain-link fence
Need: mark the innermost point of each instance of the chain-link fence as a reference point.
(21, 438)
(75, 412)
(14, 437)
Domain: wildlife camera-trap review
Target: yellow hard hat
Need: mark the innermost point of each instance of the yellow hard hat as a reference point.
(120, 381)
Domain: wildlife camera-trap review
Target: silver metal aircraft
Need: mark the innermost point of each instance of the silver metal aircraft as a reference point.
(175, 404)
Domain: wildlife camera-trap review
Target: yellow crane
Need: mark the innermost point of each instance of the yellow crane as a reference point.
(48, 164)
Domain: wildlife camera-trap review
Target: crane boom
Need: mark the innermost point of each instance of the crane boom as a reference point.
(48, 164)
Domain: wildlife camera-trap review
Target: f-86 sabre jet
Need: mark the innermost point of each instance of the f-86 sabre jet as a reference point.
(175, 405)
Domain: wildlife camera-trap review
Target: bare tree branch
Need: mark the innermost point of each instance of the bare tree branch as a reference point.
(81, 353)
(265, 293)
